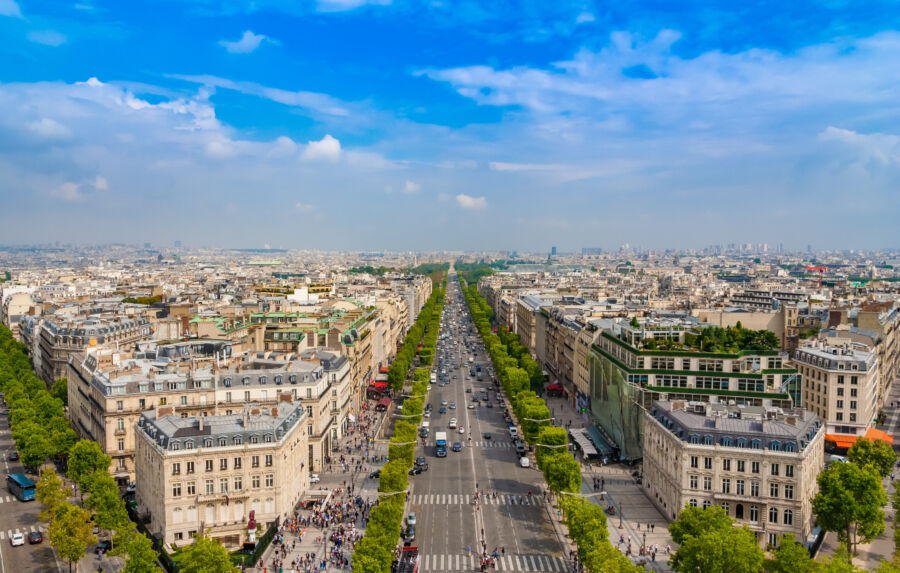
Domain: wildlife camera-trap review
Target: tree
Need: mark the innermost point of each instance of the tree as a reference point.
(60, 389)
(562, 472)
(205, 555)
(695, 521)
(140, 556)
(86, 457)
(849, 503)
(731, 550)
(876, 453)
(105, 501)
(550, 436)
(70, 532)
(837, 563)
(50, 491)
(791, 557)
(35, 447)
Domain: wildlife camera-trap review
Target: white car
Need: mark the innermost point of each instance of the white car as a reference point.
(314, 478)
(452, 423)
(17, 539)
(524, 462)
(462, 430)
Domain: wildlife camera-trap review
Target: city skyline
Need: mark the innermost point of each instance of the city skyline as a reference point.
(354, 125)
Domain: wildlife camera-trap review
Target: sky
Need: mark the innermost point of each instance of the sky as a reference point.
(420, 125)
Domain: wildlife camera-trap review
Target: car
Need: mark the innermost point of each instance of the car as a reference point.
(475, 399)
(16, 539)
(103, 546)
(420, 461)
(427, 413)
(457, 446)
(416, 470)
(411, 518)
(35, 537)
(462, 430)
(524, 462)
(375, 475)
(489, 405)
(487, 435)
(314, 478)
(443, 402)
(471, 406)
(429, 387)
(468, 390)
(410, 534)
(443, 410)
(454, 376)
(453, 405)
(14, 456)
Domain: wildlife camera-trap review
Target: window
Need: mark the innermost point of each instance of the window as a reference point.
(706, 503)
(262, 379)
(775, 446)
(840, 392)
(840, 403)
(789, 471)
(189, 445)
(223, 442)
(121, 444)
(120, 425)
(774, 469)
(210, 488)
(176, 489)
(739, 487)
(184, 400)
(788, 517)
(754, 467)
(268, 460)
(840, 416)
(740, 465)
(254, 482)
(207, 443)
(292, 379)
(245, 380)
(773, 490)
(754, 514)
(852, 417)
(142, 403)
(726, 465)
(246, 395)
(773, 515)
(209, 465)
(192, 488)
(238, 483)
(120, 405)
(254, 439)
(267, 438)
(726, 486)
(790, 447)
(227, 382)
(755, 445)
(237, 463)
(179, 536)
(162, 401)
(854, 379)
(254, 461)
(190, 467)
(223, 463)
(693, 503)
(754, 488)
(852, 392)
(707, 483)
(707, 463)
(789, 492)
(853, 404)
(270, 480)
(223, 485)
(695, 462)
(726, 441)
(693, 482)
(176, 469)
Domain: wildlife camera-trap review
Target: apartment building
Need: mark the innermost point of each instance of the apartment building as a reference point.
(15, 304)
(109, 391)
(627, 376)
(220, 474)
(527, 308)
(759, 464)
(841, 385)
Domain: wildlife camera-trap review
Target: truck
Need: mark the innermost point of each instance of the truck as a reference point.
(440, 444)
(407, 561)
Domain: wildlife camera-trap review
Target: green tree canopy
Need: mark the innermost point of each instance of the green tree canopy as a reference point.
(60, 390)
(205, 555)
(875, 453)
(731, 550)
(70, 532)
(849, 503)
(562, 472)
(137, 549)
(696, 521)
(50, 491)
(86, 457)
(791, 557)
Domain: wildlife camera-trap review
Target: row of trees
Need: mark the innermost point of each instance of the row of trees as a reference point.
(373, 553)
(404, 359)
(586, 523)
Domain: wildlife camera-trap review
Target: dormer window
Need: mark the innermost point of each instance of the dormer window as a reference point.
(707, 440)
(262, 379)
(227, 382)
(176, 446)
(223, 442)
(237, 441)
(267, 438)
(189, 445)
(775, 446)
(292, 379)
(245, 380)
(254, 439)
(755, 445)
(207, 443)
(278, 379)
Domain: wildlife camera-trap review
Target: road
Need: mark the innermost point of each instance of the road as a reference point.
(442, 497)
(18, 516)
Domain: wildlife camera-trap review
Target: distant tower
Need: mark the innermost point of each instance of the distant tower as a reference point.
(552, 250)
(177, 244)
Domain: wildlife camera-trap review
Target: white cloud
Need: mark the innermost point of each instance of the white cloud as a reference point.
(47, 37)
(100, 183)
(501, 166)
(584, 18)
(467, 202)
(49, 128)
(304, 207)
(68, 191)
(883, 148)
(411, 187)
(247, 43)
(345, 5)
(10, 8)
(327, 149)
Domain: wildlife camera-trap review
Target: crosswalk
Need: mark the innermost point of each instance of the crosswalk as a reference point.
(25, 530)
(465, 562)
(7, 499)
(483, 444)
(460, 499)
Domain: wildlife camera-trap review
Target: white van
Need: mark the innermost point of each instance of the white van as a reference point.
(513, 432)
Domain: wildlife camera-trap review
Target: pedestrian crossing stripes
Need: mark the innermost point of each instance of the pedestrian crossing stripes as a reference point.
(465, 562)
(7, 499)
(483, 444)
(457, 499)
(24, 531)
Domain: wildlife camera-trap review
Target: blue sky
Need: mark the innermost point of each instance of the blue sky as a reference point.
(392, 124)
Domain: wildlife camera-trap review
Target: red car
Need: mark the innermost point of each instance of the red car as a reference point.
(35, 537)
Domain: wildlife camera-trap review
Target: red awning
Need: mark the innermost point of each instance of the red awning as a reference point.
(384, 402)
(384, 370)
(379, 384)
(844, 441)
(554, 388)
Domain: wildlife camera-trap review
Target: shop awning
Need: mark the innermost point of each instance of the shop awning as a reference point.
(844, 441)
(554, 388)
(584, 442)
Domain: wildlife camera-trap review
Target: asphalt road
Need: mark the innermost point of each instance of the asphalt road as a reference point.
(442, 497)
(18, 516)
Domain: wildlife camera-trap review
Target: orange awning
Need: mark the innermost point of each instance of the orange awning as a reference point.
(845, 441)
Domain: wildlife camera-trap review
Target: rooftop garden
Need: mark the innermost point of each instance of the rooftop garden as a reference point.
(714, 339)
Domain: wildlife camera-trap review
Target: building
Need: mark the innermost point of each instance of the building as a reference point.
(759, 464)
(841, 385)
(526, 309)
(210, 473)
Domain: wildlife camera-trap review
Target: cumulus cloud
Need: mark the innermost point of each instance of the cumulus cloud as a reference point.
(584, 18)
(47, 37)
(326, 149)
(346, 5)
(100, 183)
(50, 129)
(880, 147)
(10, 8)
(247, 43)
(304, 207)
(411, 187)
(70, 191)
(468, 202)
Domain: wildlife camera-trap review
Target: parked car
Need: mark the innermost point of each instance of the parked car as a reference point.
(416, 470)
(375, 475)
(103, 546)
(14, 456)
(314, 478)
(523, 461)
(35, 537)
(487, 435)
(411, 518)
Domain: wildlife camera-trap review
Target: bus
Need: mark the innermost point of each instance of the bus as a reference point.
(20, 486)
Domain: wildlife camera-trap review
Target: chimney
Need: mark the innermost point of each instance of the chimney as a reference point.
(200, 423)
(162, 411)
(286, 397)
(245, 418)
(274, 411)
